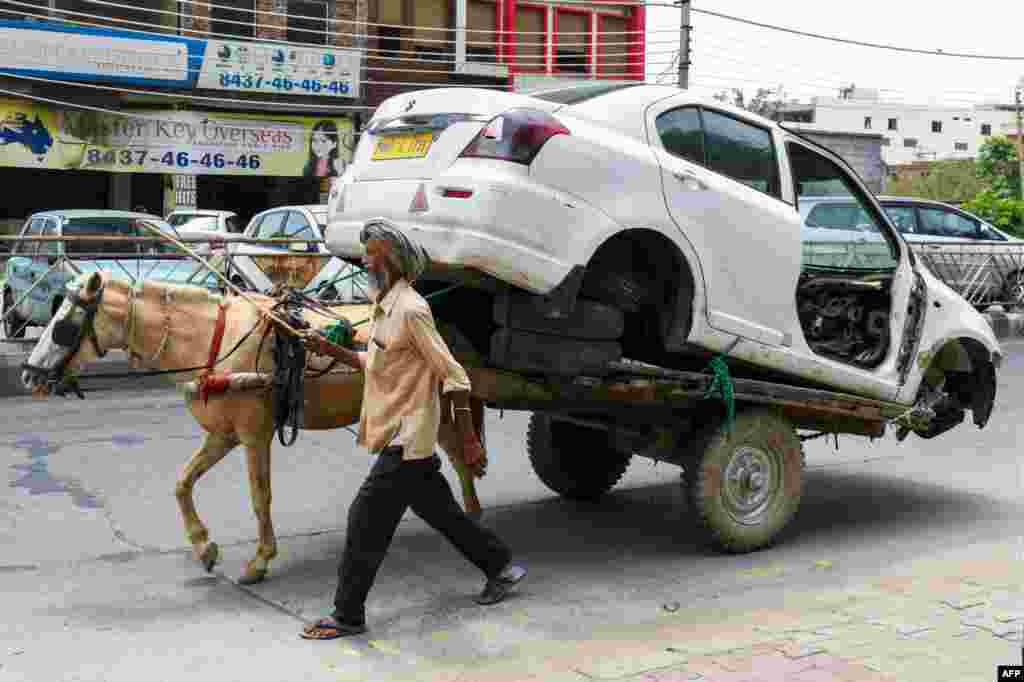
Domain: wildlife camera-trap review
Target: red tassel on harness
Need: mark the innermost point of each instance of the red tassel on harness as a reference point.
(214, 384)
(210, 382)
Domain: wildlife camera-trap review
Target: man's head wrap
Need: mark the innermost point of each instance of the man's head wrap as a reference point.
(408, 257)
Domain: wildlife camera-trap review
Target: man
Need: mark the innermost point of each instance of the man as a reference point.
(405, 360)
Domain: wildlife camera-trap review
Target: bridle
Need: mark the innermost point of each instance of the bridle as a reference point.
(70, 334)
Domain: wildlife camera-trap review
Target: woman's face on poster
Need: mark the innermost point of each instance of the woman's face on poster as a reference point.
(323, 144)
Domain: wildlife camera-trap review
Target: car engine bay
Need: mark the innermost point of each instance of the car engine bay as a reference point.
(845, 318)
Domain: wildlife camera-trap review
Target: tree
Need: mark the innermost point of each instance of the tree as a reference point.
(954, 181)
(998, 168)
(766, 101)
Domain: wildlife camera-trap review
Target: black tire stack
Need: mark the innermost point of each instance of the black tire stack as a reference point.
(530, 339)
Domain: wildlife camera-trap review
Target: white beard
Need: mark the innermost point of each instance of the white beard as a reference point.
(376, 284)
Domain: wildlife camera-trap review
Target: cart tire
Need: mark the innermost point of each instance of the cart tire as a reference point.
(762, 450)
(574, 461)
(14, 326)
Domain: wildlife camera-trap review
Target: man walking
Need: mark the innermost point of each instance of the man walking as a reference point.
(404, 361)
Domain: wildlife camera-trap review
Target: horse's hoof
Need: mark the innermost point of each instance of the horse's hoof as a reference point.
(252, 578)
(210, 556)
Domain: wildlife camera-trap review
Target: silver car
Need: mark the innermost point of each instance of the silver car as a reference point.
(982, 263)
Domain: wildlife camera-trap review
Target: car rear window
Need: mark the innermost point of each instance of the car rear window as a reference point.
(579, 93)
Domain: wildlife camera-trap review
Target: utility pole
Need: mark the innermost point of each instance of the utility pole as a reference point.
(1020, 138)
(684, 43)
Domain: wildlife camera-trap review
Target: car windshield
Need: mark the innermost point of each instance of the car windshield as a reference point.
(841, 216)
(191, 221)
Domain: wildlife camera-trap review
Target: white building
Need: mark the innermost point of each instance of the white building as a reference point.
(910, 132)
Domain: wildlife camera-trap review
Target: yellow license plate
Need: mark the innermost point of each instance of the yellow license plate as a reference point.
(402, 146)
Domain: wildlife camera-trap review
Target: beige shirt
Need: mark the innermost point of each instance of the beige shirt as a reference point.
(406, 358)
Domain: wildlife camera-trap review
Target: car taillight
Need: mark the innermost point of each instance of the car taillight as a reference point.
(515, 135)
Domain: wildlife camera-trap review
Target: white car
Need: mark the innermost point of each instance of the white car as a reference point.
(305, 265)
(611, 220)
(982, 263)
(201, 224)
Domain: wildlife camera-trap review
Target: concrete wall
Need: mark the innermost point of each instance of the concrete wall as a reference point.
(863, 152)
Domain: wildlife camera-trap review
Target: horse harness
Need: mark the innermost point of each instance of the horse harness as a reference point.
(70, 334)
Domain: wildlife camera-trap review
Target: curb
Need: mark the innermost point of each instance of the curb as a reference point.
(1004, 325)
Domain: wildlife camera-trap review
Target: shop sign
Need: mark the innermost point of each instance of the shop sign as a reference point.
(188, 143)
(280, 69)
(80, 53)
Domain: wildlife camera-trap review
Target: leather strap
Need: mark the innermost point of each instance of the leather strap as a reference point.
(209, 382)
(218, 335)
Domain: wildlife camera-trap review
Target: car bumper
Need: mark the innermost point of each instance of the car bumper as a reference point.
(510, 228)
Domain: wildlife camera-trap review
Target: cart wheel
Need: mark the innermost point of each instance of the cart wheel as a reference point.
(573, 461)
(744, 486)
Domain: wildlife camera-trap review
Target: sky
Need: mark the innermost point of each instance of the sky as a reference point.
(726, 54)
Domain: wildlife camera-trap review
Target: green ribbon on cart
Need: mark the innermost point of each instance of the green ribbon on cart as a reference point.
(721, 388)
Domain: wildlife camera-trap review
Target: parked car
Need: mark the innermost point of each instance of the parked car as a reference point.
(200, 224)
(612, 220)
(37, 272)
(982, 263)
(304, 265)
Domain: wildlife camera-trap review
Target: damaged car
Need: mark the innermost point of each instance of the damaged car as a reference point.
(612, 221)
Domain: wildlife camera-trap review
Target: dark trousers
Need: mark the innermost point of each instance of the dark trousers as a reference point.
(393, 486)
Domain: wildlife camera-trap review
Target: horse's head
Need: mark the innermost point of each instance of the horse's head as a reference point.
(79, 332)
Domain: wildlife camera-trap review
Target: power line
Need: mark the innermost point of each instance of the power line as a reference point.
(860, 43)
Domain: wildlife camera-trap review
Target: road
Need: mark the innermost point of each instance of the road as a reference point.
(94, 564)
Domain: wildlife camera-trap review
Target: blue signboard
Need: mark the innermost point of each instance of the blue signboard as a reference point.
(82, 53)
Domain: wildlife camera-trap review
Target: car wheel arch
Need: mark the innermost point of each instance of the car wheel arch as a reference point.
(675, 277)
(971, 363)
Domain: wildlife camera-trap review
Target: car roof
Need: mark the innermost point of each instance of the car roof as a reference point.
(623, 109)
(202, 211)
(94, 213)
(914, 200)
(312, 208)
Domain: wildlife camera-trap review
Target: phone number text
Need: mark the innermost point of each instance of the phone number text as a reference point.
(283, 84)
(140, 157)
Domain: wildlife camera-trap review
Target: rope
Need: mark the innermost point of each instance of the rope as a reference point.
(721, 388)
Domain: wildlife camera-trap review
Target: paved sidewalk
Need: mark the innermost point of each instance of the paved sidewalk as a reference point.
(949, 620)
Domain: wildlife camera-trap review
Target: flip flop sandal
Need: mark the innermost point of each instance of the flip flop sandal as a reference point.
(328, 628)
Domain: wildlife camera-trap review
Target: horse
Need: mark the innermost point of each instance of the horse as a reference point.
(169, 327)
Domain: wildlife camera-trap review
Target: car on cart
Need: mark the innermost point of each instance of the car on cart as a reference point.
(590, 225)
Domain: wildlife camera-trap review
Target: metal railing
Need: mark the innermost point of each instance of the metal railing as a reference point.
(37, 268)
(984, 273)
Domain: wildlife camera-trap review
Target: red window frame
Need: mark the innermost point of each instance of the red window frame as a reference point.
(544, 67)
(621, 54)
(590, 40)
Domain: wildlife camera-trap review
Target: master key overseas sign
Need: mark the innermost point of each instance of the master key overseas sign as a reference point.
(280, 69)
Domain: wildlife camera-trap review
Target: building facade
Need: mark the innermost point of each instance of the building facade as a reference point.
(242, 105)
(910, 133)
